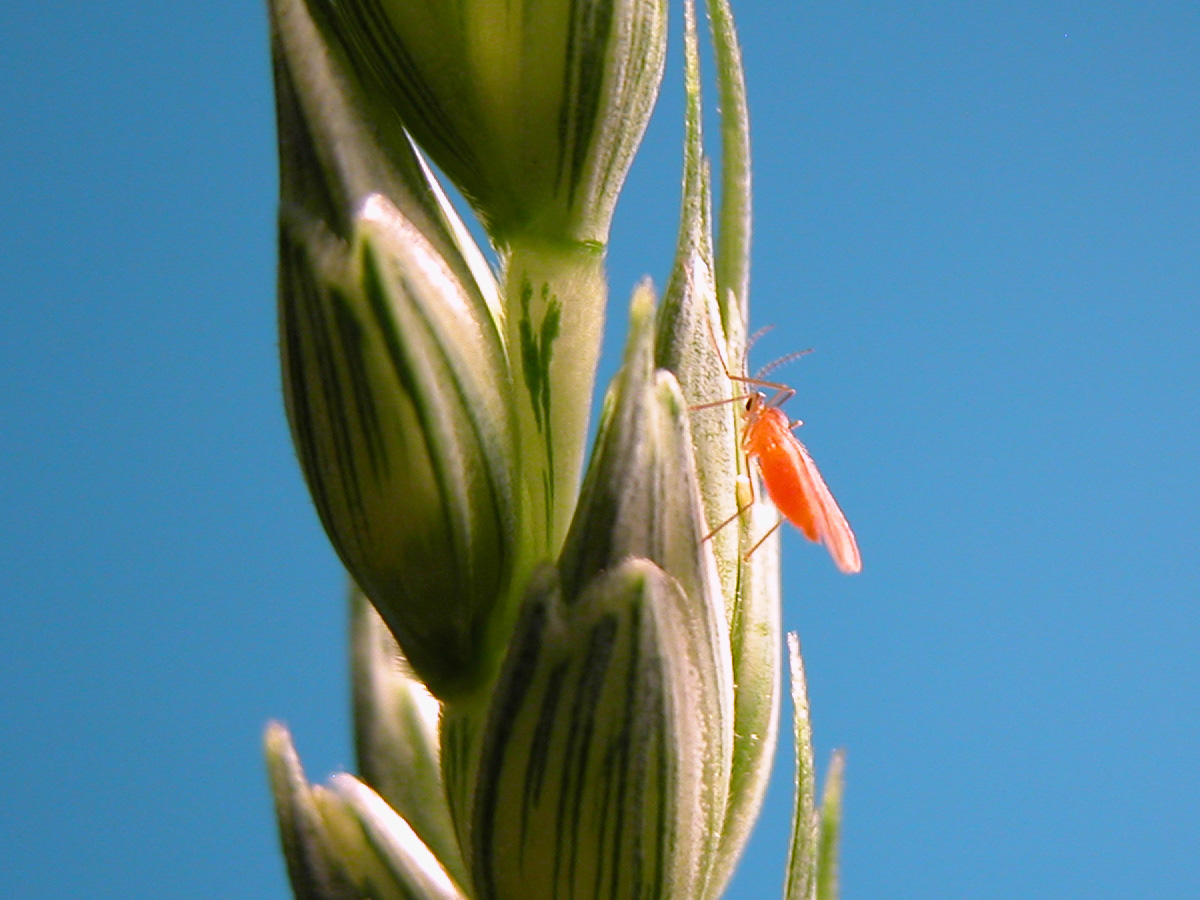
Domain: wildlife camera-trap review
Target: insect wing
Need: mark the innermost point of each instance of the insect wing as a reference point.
(783, 470)
(831, 523)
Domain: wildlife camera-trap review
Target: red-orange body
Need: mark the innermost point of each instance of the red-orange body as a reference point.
(793, 483)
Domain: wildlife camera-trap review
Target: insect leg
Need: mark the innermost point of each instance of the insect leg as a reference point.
(782, 394)
(736, 399)
(740, 510)
(770, 531)
(742, 507)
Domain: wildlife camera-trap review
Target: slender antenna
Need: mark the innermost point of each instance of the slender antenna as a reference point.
(753, 339)
(771, 366)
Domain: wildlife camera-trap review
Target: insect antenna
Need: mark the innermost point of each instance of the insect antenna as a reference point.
(753, 339)
(783, 360)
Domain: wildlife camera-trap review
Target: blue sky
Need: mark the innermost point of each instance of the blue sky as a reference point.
(986, 221)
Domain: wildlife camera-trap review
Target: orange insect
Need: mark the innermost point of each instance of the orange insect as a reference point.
(789, 474)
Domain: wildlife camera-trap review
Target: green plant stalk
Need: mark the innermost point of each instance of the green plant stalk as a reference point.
(831, 829)
(733, 233)
(617, 703)
(555, 293)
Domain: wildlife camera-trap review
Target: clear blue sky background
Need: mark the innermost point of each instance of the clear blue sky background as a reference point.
(986, 220)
